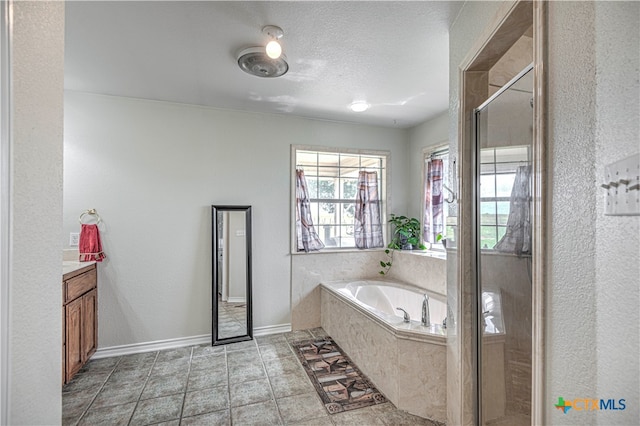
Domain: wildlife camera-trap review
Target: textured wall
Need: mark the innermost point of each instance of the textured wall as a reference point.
(617, 261)
(571, 299)
(36, 211)
(152, 170)
(593, 295)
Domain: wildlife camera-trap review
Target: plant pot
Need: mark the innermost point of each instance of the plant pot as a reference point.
(405, 244)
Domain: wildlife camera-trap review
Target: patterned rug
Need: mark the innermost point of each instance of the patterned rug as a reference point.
(337, 380)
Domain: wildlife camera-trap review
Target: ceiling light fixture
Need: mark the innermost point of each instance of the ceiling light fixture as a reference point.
(265, 62)
(359, 106)
(273, 48)
(255, 61)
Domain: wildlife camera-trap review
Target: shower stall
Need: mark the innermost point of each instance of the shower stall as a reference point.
(502, 228)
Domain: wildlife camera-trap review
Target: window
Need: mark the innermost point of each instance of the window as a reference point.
(430, 155)
(332, 181)
(497, 174)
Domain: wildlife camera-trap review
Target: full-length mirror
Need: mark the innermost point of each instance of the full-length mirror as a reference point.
(231, 242)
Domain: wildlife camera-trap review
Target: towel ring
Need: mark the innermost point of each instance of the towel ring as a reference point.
(91, 212)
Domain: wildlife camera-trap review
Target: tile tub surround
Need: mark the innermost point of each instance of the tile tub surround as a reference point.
(254, 382)
(409, 371)
(424, 269)
(308, 270)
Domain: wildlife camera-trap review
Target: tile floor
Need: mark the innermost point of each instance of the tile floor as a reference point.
(248, 383)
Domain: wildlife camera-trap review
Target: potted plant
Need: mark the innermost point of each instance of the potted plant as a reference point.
(406, 234)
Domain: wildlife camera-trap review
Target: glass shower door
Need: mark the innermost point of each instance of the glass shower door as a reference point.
(504, 138)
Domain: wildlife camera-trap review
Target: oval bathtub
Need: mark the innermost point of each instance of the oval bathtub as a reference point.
(381, 298)
(406, 361)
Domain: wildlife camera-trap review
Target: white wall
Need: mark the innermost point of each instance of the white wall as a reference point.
(595, 263)
(571, 292)
(35, 291)
(617, 261)
(152, 169)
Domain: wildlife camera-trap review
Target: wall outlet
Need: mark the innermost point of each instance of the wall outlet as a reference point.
(74, 239)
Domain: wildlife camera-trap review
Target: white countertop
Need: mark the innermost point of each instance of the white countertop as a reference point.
(74, 265)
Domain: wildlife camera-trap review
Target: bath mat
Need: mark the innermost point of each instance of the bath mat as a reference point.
(338, 381)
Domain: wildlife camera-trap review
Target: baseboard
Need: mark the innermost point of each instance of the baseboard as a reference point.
(271, 329)
(180, 342)
(157, 345)
(237, 299)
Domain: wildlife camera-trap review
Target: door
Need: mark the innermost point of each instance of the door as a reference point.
(503, 204)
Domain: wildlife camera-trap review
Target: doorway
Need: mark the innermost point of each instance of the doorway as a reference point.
(520, 23)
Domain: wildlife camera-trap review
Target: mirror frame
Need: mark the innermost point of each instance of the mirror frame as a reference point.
(215, 335)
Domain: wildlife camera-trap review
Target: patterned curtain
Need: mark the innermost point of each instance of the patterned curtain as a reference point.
(517, 238)
(307, 237)
(368, 228)
(433, 213)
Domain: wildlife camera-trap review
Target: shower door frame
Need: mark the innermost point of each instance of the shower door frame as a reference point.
(477, 312)
(511, 21)
(6, 105)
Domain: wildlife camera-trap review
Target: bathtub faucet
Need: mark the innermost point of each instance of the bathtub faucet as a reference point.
(426, 321)
(407, 318)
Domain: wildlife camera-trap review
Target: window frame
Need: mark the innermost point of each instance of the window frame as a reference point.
(428, 153)
(497, 199)
(385, 192)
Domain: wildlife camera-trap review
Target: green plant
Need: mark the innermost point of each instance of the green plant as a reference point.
(386, 264)
(406, 233)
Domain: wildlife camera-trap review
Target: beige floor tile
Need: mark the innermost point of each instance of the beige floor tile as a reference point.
(300, 407)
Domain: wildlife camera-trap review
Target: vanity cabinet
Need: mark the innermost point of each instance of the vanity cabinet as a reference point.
(80, 309)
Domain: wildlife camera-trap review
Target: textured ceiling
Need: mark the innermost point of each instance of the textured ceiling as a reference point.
(394, 55)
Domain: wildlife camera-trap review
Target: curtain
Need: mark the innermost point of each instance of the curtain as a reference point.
(517, 238)
(307, 237)
(433, 213)
(367, 227)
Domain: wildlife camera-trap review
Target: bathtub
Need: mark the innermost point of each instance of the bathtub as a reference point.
(405, 361)
(382, 298)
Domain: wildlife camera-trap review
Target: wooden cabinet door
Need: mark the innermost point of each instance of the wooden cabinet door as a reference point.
(74, 352)
(80, 333)
(89, 329)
